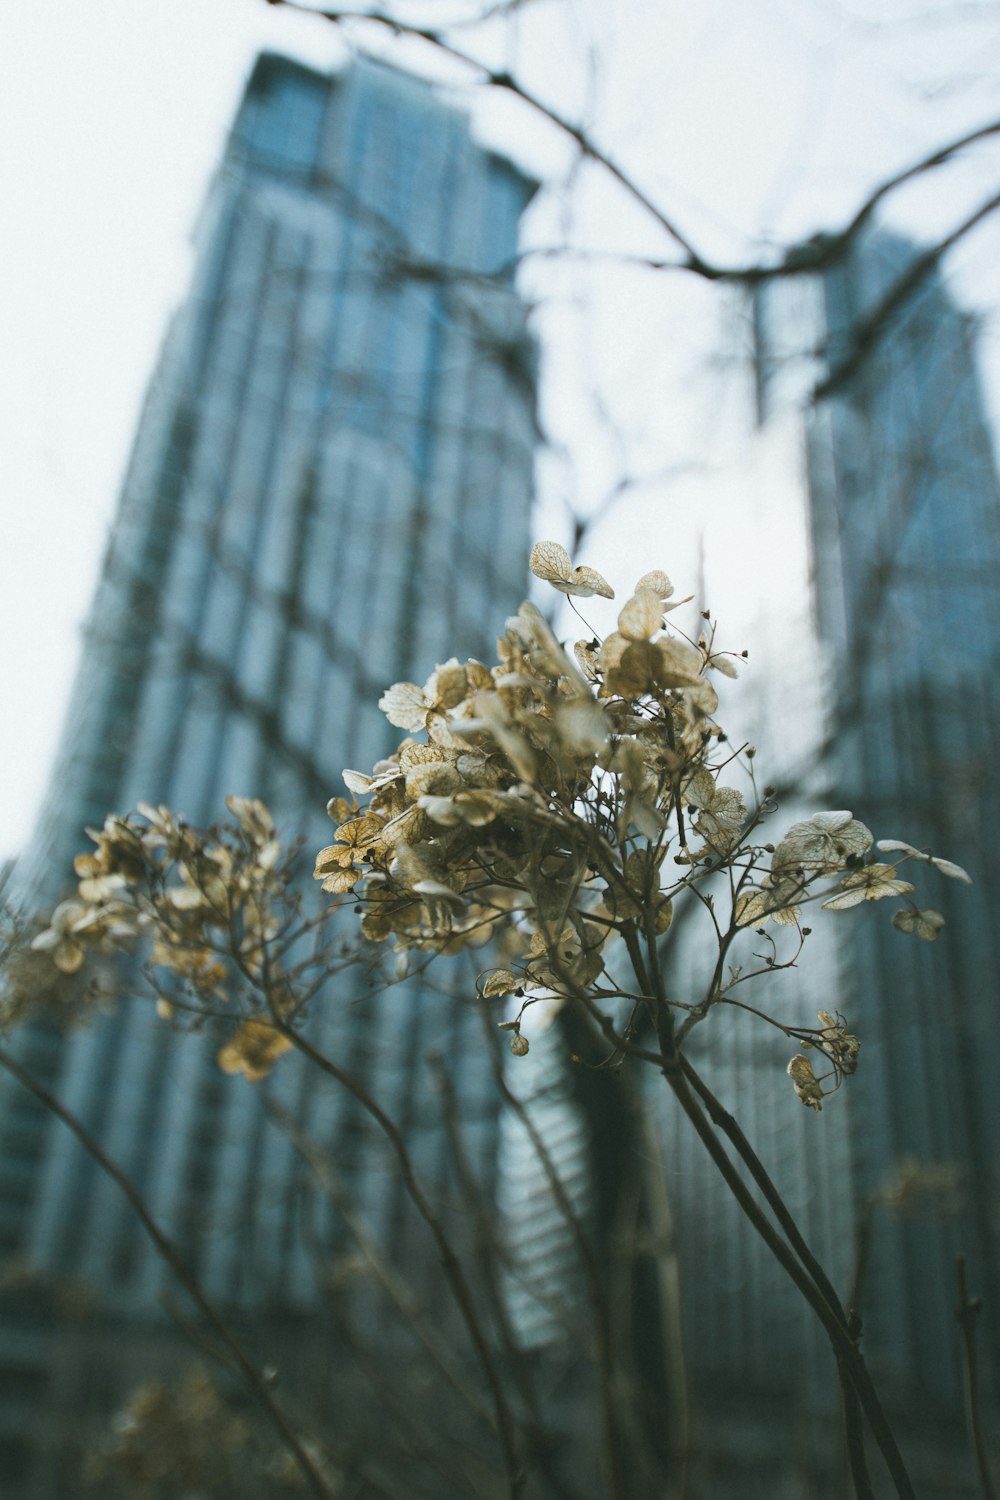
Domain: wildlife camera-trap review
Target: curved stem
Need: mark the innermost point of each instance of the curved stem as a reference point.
(730, 1127)
(598, 1300)
(521, 1363)
(844, 1346)
(449, 1260)
(968, 1310)
(167, 1251)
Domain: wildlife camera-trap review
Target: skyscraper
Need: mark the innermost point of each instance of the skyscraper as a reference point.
(905, 507)
(329, 491)
(897, 619)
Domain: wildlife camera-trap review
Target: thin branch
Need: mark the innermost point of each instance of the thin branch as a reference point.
(804, 257)
(168, 1253)
(321, 1165)
(967, 1313)
(844, 1346)
(867, 333)
(595, 1288)
(503, 80)
(449, 1260)
(731, 1128)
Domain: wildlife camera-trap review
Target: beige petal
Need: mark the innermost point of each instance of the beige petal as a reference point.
(723, 664)
(925, 924)
(582, 726)
(450, 685)
(658, 582)
(68, 957)
(412, 755)
(436, 890)
(584, 583)
(586, 655)
(678, 665)
(404, 705)
(435, 778)
(642, 616)
(502, 982)
(333, 857)
(550, 561)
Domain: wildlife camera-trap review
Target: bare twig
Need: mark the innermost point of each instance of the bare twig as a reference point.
(867, 333)
(168, 1253)
(967, 1312)
(449, 1260)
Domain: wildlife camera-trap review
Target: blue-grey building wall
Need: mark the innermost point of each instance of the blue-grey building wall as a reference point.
(905, 503)
(329, 491)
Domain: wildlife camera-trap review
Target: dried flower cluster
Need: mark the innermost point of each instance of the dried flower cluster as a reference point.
(185, 1436)
(213, 902)
(560, 802)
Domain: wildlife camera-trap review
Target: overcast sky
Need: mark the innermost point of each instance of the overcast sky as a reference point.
(750, 124)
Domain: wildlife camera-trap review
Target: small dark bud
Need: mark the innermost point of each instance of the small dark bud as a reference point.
(806, 931)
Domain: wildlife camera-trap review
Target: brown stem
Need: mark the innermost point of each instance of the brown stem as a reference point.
(854, 1441)
(724, 1121)
(731, 1128)
(449, 1260)
(520, 1360)
(388, 1277)
(844, 1346)
(166, 1250)
(598, 1300)
(967, 1312)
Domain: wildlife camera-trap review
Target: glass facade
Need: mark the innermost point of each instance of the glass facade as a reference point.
(878, 685)
(329, 492)
(905, 502)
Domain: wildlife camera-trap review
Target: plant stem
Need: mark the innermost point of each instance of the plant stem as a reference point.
(449, 1260)
(967, 1312)
(167, 1251)
(727, 1123)
(844, 1346)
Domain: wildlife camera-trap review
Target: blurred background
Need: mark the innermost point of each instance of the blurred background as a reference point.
(739, 322)
(753, 131)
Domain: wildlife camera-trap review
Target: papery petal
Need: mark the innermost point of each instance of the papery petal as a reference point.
(404, 705)
(642, 616)
(584, 583)
(658, 582)
(550, 561)
(923, 924)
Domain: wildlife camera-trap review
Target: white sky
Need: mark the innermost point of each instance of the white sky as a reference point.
(751, 124)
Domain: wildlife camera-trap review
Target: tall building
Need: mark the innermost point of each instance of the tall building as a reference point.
(878, 637)
(905, 509)
(329, 492)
